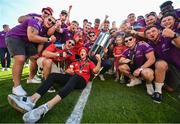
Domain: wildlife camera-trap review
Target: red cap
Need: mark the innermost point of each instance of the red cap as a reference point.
(79, 50)
(49, 9)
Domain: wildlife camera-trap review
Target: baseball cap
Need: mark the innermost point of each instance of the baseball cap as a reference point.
(64, 12)
(97, 20)
(79, 50)
(49, 9)
(165, 4)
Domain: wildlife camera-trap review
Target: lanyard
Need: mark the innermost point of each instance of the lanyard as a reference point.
(82, 66)
(131, 54)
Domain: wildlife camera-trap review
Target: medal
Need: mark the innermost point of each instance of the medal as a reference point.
(131, 62)
(132, 54)
(82, 66)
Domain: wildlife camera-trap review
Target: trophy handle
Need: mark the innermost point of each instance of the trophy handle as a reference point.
(101, 42)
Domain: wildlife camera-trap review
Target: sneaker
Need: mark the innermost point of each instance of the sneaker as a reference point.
(35, 80)
(134, 82)
(8, 69)
(101, 77)
(20, 103)
(39, 73)
(157, 97)
(116, 79)
(110, 72)
(3, 69)
(51, 90)
(35, 114)
(36, 77)
(26, 65)
(122, 79)
(19, 91)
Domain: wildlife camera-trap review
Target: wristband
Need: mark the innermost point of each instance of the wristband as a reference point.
(175, 35)
(49, 40)
(58, 55)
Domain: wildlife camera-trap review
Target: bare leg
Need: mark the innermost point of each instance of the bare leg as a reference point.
(17, 69)
(35, 97)
(54, 101)
(47, 64)
(160, 71)
(148, 75)
(33, 68)
(125, 70)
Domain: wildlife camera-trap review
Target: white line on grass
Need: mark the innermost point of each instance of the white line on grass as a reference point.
(76, 115)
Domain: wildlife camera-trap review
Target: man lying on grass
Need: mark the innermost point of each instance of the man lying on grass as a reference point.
(77, 76)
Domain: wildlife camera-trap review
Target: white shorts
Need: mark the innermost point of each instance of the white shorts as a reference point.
(54, 68)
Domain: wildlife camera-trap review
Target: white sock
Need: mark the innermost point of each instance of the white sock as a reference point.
(158, 87)
(47, 107)
(150, 89)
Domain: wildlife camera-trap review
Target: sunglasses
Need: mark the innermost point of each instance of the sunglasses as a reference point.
(130, 39)
(51, 21)
(71, 43)
(91, 35)
(46, 13)
(87, 28)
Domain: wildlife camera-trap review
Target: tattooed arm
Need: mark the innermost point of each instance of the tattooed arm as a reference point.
(33, 36)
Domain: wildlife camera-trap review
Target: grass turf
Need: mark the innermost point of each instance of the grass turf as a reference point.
(109, 102)
(9, 115)
(112, 102)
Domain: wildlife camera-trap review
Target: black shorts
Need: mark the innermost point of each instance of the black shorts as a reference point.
(20, 47)
(132, 67)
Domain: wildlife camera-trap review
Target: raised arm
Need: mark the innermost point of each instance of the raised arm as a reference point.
(102, 24)
(56, 27)
(21, 19)
(98, 65)
(68, 15)
(171, 34)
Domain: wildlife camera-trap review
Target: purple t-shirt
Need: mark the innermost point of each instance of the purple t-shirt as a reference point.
(34, 15)
(67, 35)
(165, 50)
(20, 31)
(137, 55)
(60, 35)
(175, 28)
(177, 13)
(2, 39)
(88, 45)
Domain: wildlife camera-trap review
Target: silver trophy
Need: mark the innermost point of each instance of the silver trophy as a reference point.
(101, 42)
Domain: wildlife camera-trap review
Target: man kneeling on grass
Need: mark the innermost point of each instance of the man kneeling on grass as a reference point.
(77, 76)
(136, 62)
